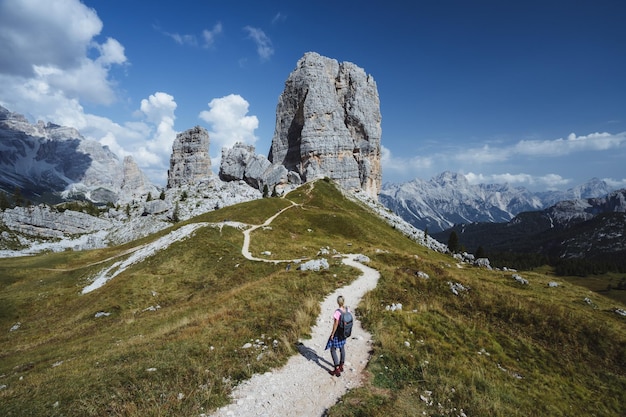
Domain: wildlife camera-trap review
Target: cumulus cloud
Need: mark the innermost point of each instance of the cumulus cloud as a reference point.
(44, 33)
(229, 121)
(46, 55)
(159, 109)
(148, 139)
(263, 43)
(111, 52)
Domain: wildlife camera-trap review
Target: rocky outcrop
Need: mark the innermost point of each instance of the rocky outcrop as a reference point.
(242, 163)
(234, 161)
(135, 183)
(190, 161)
(43, 221)
(328, 124)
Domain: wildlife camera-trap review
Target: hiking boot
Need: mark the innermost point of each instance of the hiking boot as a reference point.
(335, 372)
(341, 367)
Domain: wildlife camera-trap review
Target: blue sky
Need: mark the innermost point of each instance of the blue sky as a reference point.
(526, 92)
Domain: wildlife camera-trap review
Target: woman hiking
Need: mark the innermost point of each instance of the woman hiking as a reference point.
(337, 340)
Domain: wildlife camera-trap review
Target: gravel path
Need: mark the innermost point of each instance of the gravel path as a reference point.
(303, 387)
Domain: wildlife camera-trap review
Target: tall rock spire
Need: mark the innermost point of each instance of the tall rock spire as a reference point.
(328, 124)
(190, 161)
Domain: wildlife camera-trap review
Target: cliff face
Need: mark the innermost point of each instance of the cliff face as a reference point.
(328, 124)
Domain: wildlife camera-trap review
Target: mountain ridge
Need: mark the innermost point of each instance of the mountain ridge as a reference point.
(448, 199)
(49, 162)
(589, 229)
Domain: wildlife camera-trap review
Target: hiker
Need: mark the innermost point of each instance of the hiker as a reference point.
(337, 339)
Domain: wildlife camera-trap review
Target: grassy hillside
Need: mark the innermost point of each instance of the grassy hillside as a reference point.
(172, 342)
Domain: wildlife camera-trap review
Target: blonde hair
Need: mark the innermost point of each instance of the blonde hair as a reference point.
(340, 300)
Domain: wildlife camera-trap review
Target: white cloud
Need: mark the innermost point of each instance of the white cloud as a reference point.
(183, 39)
(229, 122)
(263, 43)
(615, 183)
(549, 181)
(45, 33)
(573, 143)
(278, 17)
(482, 155)
(401, 167)
(148, 140)
(45, 55)
(593, 142)
(159, 109)
(210, 35)
(111, 52)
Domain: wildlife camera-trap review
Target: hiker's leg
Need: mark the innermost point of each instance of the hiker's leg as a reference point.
(342, 351)
(333, 353)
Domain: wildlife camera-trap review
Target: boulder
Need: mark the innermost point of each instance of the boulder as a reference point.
(156, 207)
(242, 163)
(234, 161)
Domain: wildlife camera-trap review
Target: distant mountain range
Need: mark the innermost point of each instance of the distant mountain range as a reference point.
(449, 199)
(589, 229)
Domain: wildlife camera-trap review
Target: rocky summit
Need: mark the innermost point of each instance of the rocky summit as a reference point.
(328, 124)
(190, 161)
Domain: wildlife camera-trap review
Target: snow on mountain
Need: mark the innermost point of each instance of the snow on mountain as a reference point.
(449, 199)
(51, 160)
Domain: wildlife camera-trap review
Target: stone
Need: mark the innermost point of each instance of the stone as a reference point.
(156, 207)
(255, 171)
(483, 263)
(314, 265)
(328, 124)
(190, 161)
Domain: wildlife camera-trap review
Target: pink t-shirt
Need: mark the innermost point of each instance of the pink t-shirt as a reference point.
(337, 314)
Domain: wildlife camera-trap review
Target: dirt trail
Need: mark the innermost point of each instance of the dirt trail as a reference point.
(303, 387)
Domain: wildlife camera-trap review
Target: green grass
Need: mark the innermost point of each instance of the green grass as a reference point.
(184, 357)
(499, 349)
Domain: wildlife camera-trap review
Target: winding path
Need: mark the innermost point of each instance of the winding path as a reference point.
(245, 249)
(303, 387)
